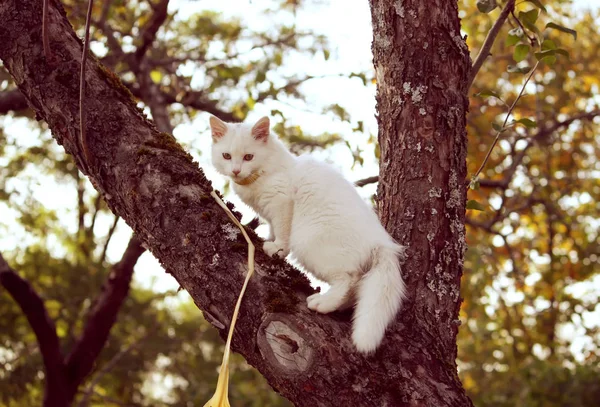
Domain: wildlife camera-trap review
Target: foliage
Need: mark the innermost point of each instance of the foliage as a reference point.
(527, 336)
(535, 246)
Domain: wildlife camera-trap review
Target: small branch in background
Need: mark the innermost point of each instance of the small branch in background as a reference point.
(105, 369)
(81, 207)
(45, 39)
(484, 52)
(531, 39)
(86, 46)
(111, 231)
(102, 316)
(499, 132)
(33, 307)
(366, 181)
(149, 31)
(97, 203)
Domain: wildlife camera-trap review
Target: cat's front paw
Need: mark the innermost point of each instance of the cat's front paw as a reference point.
(272, 248)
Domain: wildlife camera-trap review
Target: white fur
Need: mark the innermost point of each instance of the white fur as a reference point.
(318, 216)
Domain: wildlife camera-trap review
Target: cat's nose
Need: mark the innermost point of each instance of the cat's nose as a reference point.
(236, 172)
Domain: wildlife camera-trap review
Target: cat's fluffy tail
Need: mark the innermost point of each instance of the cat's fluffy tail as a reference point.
(379, 296)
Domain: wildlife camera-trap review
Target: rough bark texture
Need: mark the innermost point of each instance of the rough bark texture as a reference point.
(422, 66)
(147, 179)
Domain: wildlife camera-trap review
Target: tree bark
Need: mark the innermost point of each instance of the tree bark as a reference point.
(147, 179)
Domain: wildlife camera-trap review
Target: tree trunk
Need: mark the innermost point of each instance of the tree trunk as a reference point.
(154, 185)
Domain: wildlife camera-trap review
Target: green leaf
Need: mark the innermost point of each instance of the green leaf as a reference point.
(548, 57)
(530, 124)
(517, 69)
(497, 127)
(521, 52)
(512, 40)
(474, 184)
(531, 26)
(562, 52)
(548, 44)
(563, 29)
(361, 76)
(474, 205)
(487, 93)
(549, 60)
(360, 126)
(530, 16)
(485, 6)
(537, 3)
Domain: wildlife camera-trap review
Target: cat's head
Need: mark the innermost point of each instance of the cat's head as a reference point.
(239, 150)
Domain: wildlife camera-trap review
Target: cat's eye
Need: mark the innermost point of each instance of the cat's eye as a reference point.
(227, 156)
(248, 157)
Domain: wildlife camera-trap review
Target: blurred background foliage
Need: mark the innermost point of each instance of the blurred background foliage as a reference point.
(529, 333)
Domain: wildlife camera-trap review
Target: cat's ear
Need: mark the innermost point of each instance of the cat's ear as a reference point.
(218, 128)
(261, 130)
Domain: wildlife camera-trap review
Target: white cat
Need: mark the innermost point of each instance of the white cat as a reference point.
(318, 216)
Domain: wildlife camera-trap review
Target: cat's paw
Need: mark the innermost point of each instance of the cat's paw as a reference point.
(322, 303)
(272, 248)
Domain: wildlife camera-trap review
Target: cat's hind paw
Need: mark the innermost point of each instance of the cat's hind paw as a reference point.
(322, 303)
(273, 248)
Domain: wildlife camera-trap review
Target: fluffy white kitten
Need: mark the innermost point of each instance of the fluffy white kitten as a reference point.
(318, 216)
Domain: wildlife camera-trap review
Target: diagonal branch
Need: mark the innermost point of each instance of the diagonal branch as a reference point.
(543, 133)
(484, 52)
(33, 307)
(102, 316)
(149, 31)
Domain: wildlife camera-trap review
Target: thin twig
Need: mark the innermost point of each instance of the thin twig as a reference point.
(498, 132)
(366, 181)
(45, 39)
(489, 40)
(86, 45)
(109, 236)
(105, 369)
(531, 39)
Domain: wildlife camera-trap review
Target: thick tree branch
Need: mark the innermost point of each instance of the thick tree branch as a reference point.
(484, 52)
(33, 307)
(102, 316)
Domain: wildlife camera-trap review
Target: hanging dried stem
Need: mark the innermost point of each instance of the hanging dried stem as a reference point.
(86, 46)
(220, 399)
